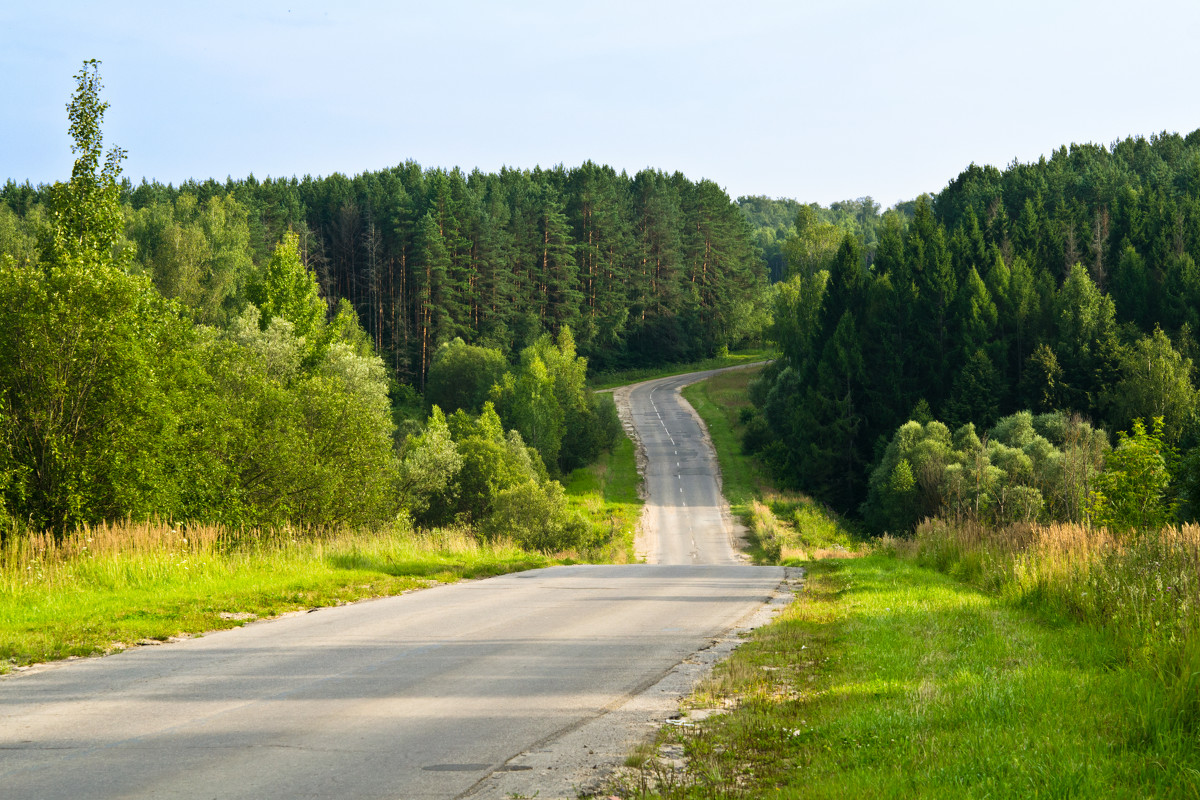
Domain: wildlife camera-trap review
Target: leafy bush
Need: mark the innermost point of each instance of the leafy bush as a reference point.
(536, 517)
(1130, 493)
(462, 376)
(467, 470)
(1026, 468)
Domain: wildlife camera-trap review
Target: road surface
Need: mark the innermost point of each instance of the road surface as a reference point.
(686, 520)
(451, 692)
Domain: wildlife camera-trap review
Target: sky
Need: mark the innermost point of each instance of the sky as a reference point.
(817, 101)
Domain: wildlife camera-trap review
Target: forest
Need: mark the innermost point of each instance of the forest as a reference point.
(410, 344)
(1018, 347)
(643, 269)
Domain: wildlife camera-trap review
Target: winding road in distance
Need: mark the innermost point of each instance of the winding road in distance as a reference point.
(478, 689)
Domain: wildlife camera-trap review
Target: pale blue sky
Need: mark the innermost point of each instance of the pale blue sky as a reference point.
(814, 100)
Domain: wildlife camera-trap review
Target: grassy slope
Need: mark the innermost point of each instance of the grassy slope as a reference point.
(152, 583)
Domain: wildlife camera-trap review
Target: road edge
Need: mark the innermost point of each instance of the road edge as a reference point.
(582, 759)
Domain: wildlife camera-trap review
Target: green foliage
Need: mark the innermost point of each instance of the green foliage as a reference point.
(645, 270)
(1024, 469)
(814, 246)
(528, 402)
(85, 222)
(1130, 493)
(797, 314)
(1155, 382)
(429, 461)
(537, 518)
(310, 445)
(288, 290)
(548, 401)
(906, 485)
(467, 470)
(1040, 287)
(462, 376)
(116, 406)
(90, 357)
(197, 253)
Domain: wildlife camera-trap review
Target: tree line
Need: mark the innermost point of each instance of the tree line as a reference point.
(1066, 286)
(644, 269)
(405, 345)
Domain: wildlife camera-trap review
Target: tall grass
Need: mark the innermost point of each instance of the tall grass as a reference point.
(1143, 589)
(106, 587)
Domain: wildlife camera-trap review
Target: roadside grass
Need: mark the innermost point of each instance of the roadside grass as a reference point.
(611, 380)
(606, 494)
(1141, 589)
(107, 588)
(887, 679)
(786, 527)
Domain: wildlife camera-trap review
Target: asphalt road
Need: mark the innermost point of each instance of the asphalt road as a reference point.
(686, 519)
(436, 694)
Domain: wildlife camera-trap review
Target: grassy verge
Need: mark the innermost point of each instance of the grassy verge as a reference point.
(786, 527)
(606, 493)
(610, 380)
(887, 679)
(108, 588)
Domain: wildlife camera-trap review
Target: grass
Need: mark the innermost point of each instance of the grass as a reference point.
(611, 380)
(606, 493)
(105, 589)
(887, 679)
(1141, 589)
(786, 527)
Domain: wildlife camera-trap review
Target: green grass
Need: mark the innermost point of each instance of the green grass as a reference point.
(786, 527)
(90, 603)
(606, 493)
(611, 380)
(887, 679)
(890, 679)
